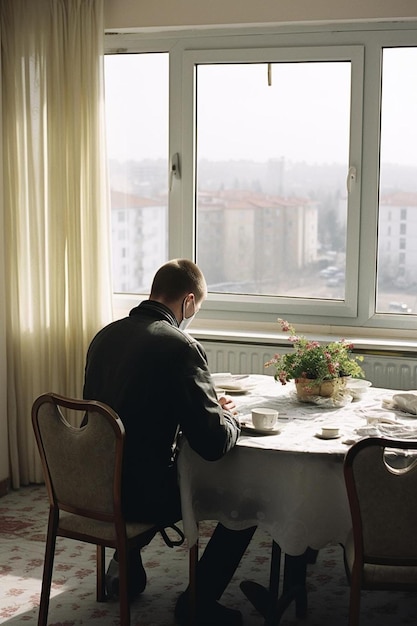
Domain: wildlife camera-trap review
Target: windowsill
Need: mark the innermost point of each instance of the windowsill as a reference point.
(388, 340)
(365, 339)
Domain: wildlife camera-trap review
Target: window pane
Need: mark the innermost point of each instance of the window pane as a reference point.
(397, 231)
(272, 162)
(137, 140)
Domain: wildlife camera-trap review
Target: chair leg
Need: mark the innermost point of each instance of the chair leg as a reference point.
(101, 574)
(122, 554)
(354, 600)
(193, 561)
(48, 567)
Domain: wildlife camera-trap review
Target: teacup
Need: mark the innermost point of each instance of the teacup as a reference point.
(264, 419)
(328, 432)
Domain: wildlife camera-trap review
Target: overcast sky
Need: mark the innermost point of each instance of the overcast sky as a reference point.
(241, 117)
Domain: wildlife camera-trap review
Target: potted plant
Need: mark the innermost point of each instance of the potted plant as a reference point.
(317, 369)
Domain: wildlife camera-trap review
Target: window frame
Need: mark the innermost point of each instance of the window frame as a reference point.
(287, 305)
(366, 43)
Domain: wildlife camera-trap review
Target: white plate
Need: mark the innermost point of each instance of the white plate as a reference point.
(320, 436)
(235, 387)
(236, 383)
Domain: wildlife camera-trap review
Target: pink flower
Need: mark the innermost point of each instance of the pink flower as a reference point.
(282, 376)
(311, 359)
(272, 361)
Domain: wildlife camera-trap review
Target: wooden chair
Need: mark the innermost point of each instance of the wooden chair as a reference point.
(82, 469)
(381, 552)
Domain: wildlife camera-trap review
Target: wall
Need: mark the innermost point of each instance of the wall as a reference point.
(166, 13)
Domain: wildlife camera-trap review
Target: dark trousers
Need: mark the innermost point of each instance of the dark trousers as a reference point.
(220, 560)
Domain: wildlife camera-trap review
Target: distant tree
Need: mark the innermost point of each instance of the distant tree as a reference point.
(336, 232)
(332, 231)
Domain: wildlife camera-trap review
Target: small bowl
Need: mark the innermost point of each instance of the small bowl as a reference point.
(330, 432)
(357, 387)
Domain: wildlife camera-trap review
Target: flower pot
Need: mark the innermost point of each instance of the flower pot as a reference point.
(307, 387)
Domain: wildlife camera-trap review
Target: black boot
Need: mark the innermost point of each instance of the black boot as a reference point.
(136, 577)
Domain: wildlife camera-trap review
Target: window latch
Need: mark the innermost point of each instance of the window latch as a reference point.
(351, 178)
(175, 170)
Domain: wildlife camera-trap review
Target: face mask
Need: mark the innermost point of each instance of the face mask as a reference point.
(186, 320)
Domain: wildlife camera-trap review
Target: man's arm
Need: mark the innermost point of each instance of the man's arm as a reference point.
(211, 430)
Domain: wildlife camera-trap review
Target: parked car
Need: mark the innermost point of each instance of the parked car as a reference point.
(402, 283)
(334, 281)
(329, 271)
(399, 307)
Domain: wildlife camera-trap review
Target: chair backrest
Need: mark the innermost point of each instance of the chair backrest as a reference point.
(381, 481)
(82, 466)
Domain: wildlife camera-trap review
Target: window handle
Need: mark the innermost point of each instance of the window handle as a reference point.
(175, 170)
(351, 178)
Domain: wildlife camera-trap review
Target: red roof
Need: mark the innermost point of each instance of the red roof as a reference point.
(122, 200)
(399, 199)
(240, 199)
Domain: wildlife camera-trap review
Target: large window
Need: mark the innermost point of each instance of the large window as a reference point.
(397, 241)
(137, 143)
(282, 161)
(272, 161)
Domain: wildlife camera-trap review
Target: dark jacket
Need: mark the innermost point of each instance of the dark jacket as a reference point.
(156, 378)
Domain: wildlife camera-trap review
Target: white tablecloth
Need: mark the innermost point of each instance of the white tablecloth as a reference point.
(291, 483)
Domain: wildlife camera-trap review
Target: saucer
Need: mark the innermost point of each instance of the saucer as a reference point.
(248, 428)
(320, 436)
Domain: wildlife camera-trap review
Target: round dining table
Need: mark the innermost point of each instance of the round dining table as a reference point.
(288, 482)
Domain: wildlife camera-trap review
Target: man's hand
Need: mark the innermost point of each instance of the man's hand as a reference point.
(227, 403)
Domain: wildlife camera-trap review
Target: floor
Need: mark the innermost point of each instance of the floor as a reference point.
(23, 515)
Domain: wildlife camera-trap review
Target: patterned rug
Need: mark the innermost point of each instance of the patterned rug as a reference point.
(23, 516)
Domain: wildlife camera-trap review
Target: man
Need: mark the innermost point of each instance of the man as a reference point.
(155, 376)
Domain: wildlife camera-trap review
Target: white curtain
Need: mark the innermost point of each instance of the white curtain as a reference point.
(56, 230)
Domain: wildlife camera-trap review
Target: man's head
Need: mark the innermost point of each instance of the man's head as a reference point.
(181, 286)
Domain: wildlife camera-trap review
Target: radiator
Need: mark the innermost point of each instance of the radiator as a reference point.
(391, 372)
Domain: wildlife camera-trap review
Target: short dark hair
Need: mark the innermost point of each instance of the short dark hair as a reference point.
(177, 278)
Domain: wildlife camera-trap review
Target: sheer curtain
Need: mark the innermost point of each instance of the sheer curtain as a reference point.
(56, 230)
